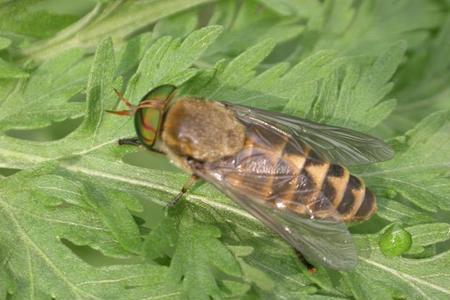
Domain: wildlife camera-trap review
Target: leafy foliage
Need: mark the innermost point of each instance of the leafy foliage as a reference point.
(420, 169)
(82, 218)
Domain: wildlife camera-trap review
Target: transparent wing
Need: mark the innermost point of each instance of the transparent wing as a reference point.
(331, 143)
(280, 193)
(324, 241)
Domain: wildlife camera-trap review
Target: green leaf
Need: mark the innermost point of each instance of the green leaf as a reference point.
(399, 277)
(58, 79)
(250, 273)
(115, 215)
(241, 69)
(368, 26)
(100, 79)
(4, 43)
(34, 243)
(248, 24)
(31, 18)
(179, 25)
(422, 83)
(420, 170)
(111, 19)
(283, 7)
(168, 61)
(319, 79)
(197, 251)
(360, 90)
(428, 234)
(8, 70)
(161, 240)
(269, 89)
(396, 211)
(84, 218)
(91, 133)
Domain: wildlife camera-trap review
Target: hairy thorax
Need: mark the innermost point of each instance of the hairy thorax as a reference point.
(202, 130)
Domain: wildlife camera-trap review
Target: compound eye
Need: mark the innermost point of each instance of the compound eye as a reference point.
(149, 111)
(146, 123)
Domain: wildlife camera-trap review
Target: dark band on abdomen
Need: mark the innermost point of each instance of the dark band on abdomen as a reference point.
(367, 208)
(292, 176)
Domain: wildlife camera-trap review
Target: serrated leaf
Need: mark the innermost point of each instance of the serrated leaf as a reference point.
(116, 217)
(428, 234)
(270, 89)
(396, 211)
(354, 100)
(423, 82)
(58, 79)
(99, 92)
(123, 19)
(161, 240)
(165, 60)
(250, 273)
(241, 69)
(399, 277)
(247, 24)
(369, 26)
(33, 243)
(197, 251)
(9, 70)
(419, 172)
(80, 193)
(100, 79)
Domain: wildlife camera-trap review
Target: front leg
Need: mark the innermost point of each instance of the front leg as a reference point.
(134, 141)
(192, 180)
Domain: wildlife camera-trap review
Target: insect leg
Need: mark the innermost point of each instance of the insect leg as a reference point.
(134, 141)
(306, 263)
(184, 190)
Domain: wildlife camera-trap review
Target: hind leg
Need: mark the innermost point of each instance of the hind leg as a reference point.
(306, 263)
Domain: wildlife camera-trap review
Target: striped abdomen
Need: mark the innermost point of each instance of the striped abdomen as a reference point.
(346, 193)
(274, 168)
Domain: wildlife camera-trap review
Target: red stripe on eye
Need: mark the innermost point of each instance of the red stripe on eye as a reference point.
(146, 125)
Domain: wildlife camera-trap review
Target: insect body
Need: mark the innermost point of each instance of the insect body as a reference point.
(285, 171)
(274, 168)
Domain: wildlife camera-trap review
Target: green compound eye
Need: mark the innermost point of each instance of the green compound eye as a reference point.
(148, 115)
(395, 241)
